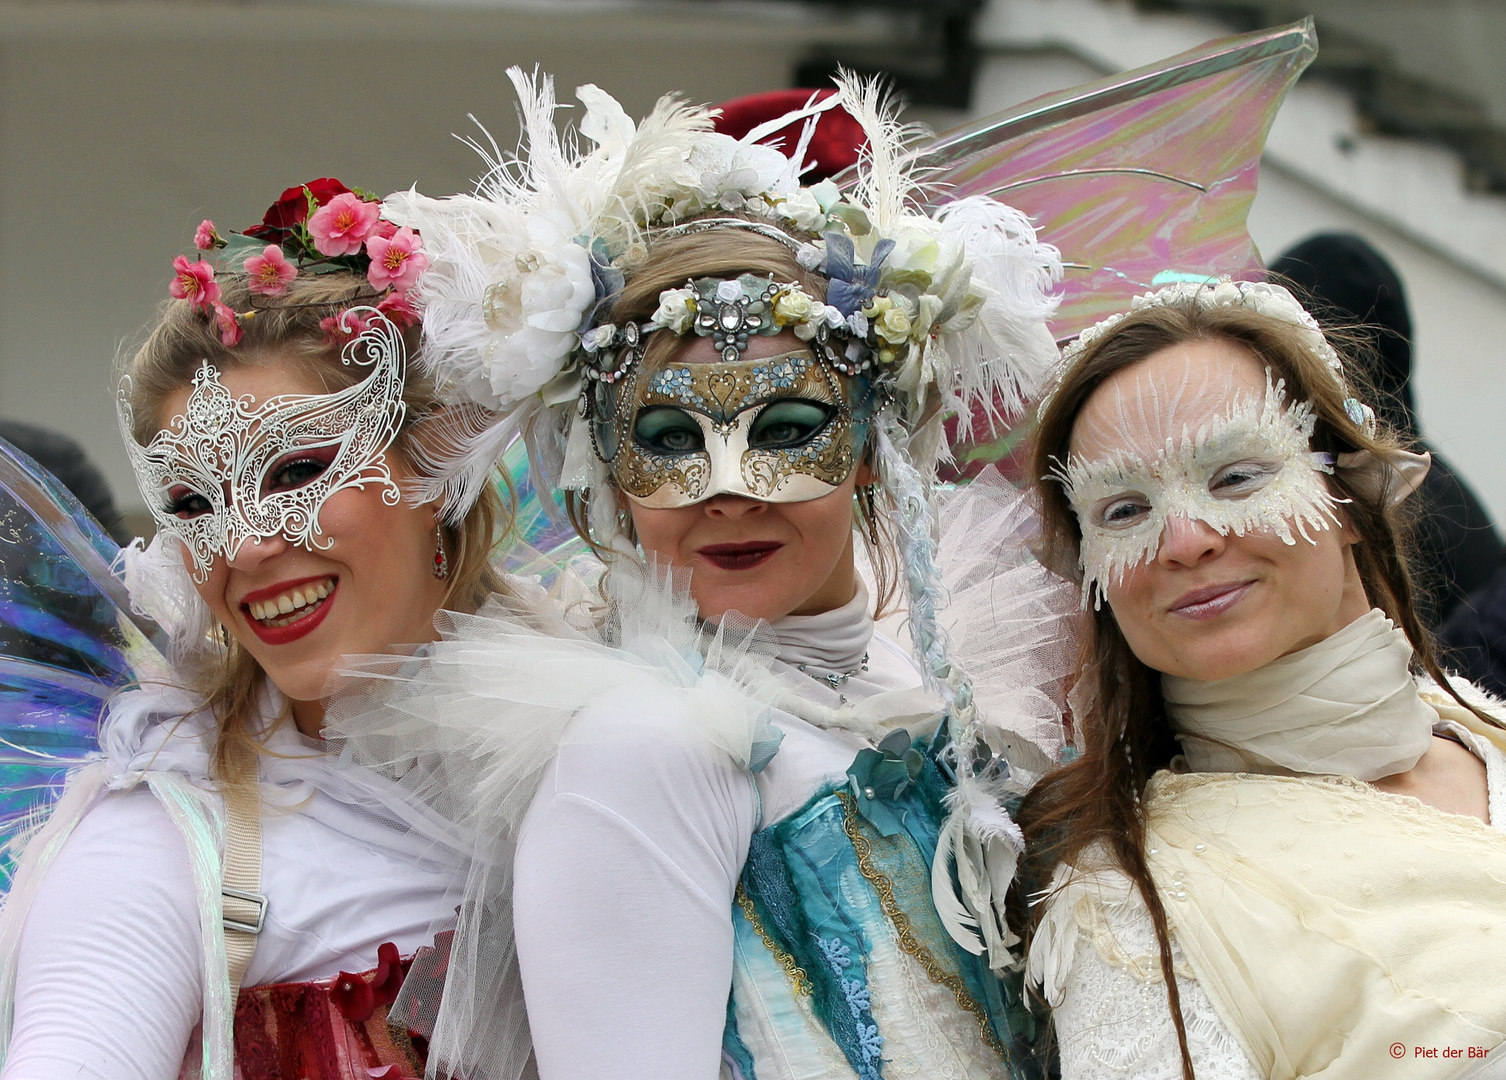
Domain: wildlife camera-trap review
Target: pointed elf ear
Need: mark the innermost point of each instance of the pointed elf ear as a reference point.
(1396, 475)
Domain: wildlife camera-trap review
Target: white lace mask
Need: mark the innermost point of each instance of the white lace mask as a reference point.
(1250, 469)
(212, 476)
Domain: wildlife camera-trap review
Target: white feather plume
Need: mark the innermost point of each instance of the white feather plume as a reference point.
(885, 186)
(161, 588)
(1005, 356)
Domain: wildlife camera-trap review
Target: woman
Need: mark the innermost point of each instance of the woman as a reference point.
(217, 847)
(726, 864)
(1279, 854)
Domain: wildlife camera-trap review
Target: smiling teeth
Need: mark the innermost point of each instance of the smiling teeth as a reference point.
(274, 611)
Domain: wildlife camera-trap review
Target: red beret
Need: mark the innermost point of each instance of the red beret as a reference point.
(834, 147)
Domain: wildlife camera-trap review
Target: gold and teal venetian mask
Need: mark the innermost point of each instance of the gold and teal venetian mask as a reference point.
(784, 428)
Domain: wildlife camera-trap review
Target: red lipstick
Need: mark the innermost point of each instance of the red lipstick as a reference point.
(743, 556)
(1210, 601)
(282, 635)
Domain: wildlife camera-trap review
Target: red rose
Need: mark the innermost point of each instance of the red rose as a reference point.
(353, 997)
(293, 208)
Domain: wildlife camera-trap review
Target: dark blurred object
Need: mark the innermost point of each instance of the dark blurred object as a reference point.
(932, 63)
(1347, 283)
(835, 146)
(65, 459)
(1473, 639)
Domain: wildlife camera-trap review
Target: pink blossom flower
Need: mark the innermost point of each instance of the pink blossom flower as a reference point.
(341, 226)
(385, 229)
(397, 261)
(195, 283)
(271, 273)
(338, 329)
(397, 307)
(229, 325)
(206, 237)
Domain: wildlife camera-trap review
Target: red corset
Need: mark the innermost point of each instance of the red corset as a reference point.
(296, 1031)
(336, 1029)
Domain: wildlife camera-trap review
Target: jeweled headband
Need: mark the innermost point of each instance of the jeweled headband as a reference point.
(211, 477)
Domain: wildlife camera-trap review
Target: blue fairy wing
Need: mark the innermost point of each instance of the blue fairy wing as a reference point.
(68, 641)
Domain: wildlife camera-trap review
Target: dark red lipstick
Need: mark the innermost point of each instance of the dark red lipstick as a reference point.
(743, 556)
(282, 635)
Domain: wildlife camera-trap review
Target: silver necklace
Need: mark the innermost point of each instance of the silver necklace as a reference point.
(835, 680)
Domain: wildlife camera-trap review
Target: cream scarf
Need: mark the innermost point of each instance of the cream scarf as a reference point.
(1347, 706)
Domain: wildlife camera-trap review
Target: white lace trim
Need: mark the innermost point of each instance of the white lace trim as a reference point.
(1113, 1020)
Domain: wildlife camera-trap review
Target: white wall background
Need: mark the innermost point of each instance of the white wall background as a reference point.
(123, 122)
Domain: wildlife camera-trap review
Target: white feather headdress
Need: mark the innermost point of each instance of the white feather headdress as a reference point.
(950, 304)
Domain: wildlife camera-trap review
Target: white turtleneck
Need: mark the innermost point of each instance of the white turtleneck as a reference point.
(629, 857)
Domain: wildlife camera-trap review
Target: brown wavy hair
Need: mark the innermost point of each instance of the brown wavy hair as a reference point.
(1122, 730)
(668, 263)
(286, 330)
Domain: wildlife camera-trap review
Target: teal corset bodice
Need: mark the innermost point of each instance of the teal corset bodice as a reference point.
(842, 967)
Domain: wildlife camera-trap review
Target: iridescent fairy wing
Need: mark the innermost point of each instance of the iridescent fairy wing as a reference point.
(1140, 179)
(541, 526)
(68, 640)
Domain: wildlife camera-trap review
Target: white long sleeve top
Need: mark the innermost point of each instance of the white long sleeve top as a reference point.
(109, 966)
(1113, 1021)
(629, 858)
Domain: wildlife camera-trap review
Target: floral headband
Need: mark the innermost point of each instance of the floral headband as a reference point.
(315, 228)
(730, 311)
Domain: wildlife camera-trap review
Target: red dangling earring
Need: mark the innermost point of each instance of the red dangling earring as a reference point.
(441, 560)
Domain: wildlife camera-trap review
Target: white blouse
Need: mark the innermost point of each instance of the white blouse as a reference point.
(629, 857)
(109, 979)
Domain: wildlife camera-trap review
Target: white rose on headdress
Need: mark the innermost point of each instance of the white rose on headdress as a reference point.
(915, 252)
(676, 310)
(1226, 294)
(893, 326)
(730, 172)
(793, 307)
(536, 307)
(804, 211)
(598, 336)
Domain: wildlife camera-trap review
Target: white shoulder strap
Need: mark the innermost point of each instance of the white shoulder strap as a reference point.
(244, 905)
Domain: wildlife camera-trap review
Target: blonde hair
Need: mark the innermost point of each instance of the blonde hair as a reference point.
(671, 261)
(286, 330)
